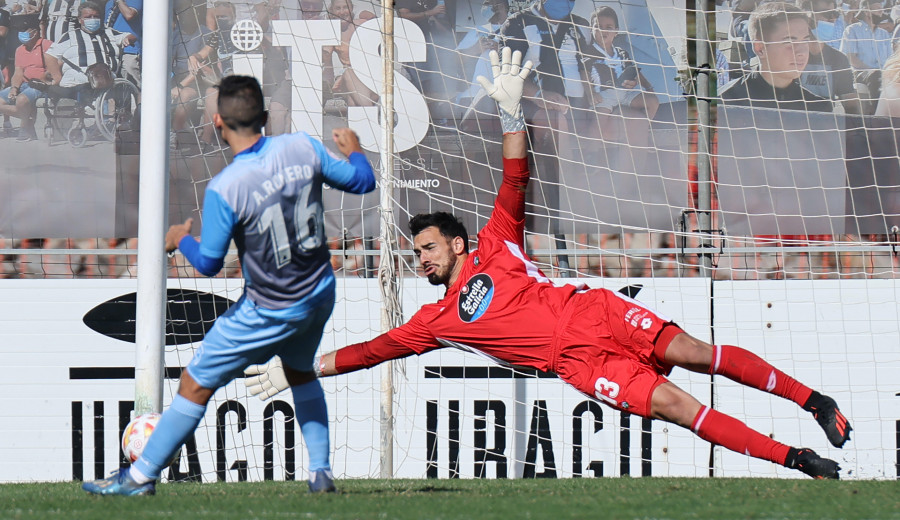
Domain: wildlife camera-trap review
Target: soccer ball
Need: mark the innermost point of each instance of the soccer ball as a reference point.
(136, 434)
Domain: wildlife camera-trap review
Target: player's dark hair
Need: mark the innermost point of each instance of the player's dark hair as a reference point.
(241, 105)
(447, 223)
(765, 18)
(605, 12)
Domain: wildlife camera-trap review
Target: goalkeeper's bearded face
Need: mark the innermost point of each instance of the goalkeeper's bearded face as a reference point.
(437, 255)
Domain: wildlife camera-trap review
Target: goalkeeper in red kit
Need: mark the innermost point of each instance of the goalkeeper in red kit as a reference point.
(608, 346)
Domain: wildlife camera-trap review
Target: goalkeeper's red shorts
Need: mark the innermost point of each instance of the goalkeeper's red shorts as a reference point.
(608, 349)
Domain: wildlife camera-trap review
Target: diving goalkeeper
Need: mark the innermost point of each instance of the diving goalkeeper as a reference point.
(608, 346)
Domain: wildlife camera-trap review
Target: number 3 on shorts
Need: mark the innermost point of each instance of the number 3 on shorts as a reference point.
(606, 390)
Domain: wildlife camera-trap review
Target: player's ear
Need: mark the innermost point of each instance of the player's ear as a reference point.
(759, 48)
(458, 244)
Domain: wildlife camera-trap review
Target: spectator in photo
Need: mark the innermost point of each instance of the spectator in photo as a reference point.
(478, 43)
(828, 73)
(554, 39)
(867, 46)
(740, 23)
(243, 10)
(277, 72)
(337, 73)
(59, 17)
(89, 43)
(781, 39)
(441, 62)
(885, 22)
(223, 15)
(889, 101)
(127, 16)
(6, 35)
(828, 23)
(313, 10)
(18, 99)
(617, 84)
(192, 73)
(23, 7)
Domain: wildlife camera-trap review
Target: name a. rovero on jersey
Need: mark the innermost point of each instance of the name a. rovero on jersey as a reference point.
(277, 181)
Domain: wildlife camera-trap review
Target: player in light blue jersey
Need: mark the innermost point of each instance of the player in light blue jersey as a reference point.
(269, 201)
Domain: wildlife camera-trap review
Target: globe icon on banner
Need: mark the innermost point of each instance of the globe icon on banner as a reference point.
(246, 35)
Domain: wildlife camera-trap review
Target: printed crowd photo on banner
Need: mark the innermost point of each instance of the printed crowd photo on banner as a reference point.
(806, 141)
(604, 107)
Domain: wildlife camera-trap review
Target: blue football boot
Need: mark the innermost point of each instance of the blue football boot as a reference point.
(321, 481)
(119, 483)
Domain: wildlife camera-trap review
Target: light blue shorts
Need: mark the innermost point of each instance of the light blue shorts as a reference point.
(242, 337)
(31, 93)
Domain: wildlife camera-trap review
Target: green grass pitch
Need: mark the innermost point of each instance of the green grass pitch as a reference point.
(606, 498)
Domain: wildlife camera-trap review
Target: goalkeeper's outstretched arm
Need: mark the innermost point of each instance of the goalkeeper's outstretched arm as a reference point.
(269, 379)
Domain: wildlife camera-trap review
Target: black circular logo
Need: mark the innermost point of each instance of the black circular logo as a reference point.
(475, 297)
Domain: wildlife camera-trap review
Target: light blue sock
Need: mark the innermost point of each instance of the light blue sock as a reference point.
(312, 416)
(175, 425)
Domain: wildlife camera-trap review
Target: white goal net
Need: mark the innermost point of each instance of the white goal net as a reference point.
(768, 227)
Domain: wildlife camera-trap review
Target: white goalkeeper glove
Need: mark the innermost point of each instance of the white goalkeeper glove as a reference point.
(266, 380)
(507, 87)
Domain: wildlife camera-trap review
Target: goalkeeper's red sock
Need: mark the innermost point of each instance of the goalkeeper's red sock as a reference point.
(718, 428)
(747, 368)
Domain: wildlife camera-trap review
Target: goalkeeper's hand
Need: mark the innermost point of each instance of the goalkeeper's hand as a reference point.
(509, 81)
(266, 380)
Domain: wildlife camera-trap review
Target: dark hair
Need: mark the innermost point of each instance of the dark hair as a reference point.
(241, 105)
(91, 5)
(605, 12)
(447, 223)
(766, 17)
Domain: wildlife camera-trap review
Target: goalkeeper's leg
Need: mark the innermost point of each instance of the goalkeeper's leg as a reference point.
(745, 367)
(673, 404)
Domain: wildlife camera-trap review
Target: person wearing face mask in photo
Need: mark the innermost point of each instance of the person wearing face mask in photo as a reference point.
(128, 16)
(88, 43)
(18, 99)
(868, 47)
(478, 43)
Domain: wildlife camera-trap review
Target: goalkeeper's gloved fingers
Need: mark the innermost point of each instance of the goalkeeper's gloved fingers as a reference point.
(266, 380)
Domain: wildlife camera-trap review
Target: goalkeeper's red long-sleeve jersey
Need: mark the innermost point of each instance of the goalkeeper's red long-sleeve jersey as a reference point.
(501, 304)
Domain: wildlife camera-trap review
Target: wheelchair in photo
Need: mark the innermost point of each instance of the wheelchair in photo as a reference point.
(79, 114)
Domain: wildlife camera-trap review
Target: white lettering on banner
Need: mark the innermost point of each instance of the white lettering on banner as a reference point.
(306, 39)
(454, 433)
(411, 117)
(417, 184)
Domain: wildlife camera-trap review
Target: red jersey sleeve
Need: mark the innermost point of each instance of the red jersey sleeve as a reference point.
(369, 353)
(507, 221)
(413, 337)
(415, 333)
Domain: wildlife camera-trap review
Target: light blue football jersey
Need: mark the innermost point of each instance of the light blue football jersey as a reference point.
(269, 200)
